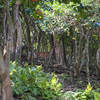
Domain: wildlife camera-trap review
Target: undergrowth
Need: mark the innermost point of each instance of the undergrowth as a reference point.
(31, 83)
(87, 94)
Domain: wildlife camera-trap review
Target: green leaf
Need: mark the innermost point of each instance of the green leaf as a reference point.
(66, 1)
(51, 1)
(76, 1)
(24, 2)
(89, 88)
(32, 98)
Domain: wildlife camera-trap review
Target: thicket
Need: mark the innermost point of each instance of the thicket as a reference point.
(32, 83)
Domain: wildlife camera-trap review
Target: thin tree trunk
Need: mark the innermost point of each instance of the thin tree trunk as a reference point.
(35, 32)
(98, 57)
(32, 44)
(52, 49)
(51, 40)
(39, 41)
(71, 42)
(79, 54)
(58, 50)
(87, 55)
(83, 57)
(18, 33)
(75, 50)
(98, 51)
(64, 51)
(28, 36)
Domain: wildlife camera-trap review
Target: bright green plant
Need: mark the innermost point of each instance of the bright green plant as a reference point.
(31, 82)
(96, 96)
(87, 94)
(80, 95)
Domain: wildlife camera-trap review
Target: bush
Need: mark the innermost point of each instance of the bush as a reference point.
(87, 94)
(31, 82)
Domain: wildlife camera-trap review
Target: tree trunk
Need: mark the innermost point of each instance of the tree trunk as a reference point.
(98, 51)
(64, 51)
(98, 57)
(28, 35)
(39, 41)
(58, 50)
(18, 33)
(35, 32)
(75, 50)
(87, 36)
(78, 59)
(71, 29)
(5, 85)
(52, 56)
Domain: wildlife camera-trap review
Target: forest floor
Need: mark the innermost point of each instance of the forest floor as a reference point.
(66, 77)
(68, 80)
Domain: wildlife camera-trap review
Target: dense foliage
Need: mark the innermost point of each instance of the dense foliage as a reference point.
(67, 35)
(31, 82)
(87, 94)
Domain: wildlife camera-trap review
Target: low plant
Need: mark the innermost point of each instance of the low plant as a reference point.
(31, 82)
(87, 94)
(64, 76)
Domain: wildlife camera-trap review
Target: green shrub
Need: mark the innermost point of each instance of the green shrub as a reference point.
(31, 82)
(96, 95)
(87, 94)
